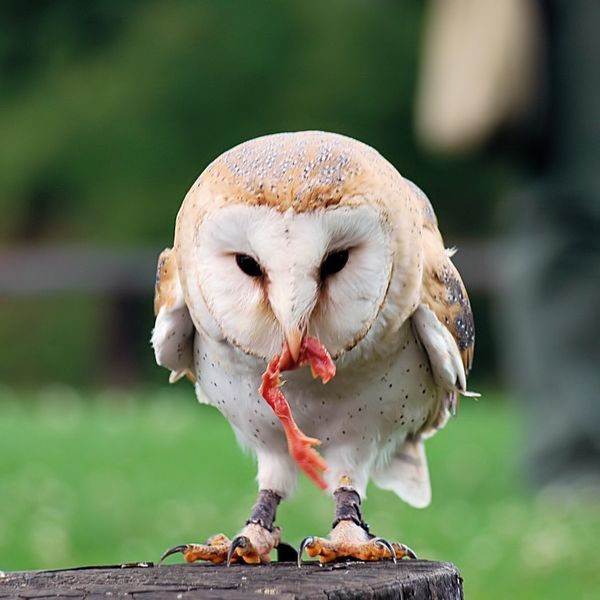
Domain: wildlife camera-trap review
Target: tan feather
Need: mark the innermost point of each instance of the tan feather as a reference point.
(444, 320)
(445, 294)
(165, 288)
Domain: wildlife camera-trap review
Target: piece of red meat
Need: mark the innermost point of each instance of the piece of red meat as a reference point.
(301, 447)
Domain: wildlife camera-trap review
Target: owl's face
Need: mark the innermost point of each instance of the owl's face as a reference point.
(266, 276)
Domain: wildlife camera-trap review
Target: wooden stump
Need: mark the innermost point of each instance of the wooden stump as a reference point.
(414, 579)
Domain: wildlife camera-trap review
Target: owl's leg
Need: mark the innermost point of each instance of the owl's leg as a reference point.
(253, 544)
(350, 536)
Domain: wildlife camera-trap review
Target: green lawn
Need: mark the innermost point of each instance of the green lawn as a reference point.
(119, 477)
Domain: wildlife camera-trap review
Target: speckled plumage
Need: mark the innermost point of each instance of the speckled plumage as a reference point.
(396, 319)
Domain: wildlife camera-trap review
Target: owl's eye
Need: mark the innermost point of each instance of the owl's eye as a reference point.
(248, 265)
(334, 263)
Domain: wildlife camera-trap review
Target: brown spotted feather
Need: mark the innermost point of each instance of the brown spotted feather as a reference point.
(444, 292)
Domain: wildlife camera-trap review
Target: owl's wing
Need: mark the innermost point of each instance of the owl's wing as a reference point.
(173, 333)
(443, 322)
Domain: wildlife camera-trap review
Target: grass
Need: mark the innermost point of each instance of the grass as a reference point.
(118, 477)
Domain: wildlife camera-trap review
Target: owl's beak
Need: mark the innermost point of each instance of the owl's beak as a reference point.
(292, 297)
(293, 337)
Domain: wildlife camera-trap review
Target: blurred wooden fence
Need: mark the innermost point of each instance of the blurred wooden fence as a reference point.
(44, 270)
(124, 278)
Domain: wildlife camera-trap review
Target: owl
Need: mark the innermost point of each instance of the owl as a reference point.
(309, 248)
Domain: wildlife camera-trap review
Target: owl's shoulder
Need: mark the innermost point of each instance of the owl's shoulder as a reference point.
(443, 290)
(173, 333)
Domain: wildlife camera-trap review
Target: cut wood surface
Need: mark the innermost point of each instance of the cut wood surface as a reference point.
(409, 579)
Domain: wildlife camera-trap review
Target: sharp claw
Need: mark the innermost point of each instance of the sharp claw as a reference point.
(409, 552)
(241, 541)
(174, 550)
(383, 542)
(305, 542)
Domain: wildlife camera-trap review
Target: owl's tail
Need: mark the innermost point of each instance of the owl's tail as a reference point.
(407, 474)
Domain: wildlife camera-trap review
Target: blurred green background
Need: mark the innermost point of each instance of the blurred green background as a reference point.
(108, 112)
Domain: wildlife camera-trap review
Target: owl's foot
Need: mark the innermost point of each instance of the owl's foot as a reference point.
(253, 545)
(350, 536)
(349, 540)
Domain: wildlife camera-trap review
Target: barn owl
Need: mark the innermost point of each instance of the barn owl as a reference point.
(310, 247)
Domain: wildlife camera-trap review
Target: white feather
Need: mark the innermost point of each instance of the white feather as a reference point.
(290, 248)
(441, 349)
(407, 474)
(172, 337)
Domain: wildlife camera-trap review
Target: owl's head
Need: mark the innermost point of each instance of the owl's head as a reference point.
(298, 233)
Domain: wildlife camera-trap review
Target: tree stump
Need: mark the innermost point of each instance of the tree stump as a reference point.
(413, 579)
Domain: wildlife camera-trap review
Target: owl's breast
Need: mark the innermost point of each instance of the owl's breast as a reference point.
(377, 404)
(229, 380)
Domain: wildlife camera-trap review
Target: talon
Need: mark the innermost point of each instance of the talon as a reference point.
(303, 544)
(348, 540)
(383, 542)
(408, 552)
(174, 550)
(241, 541)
